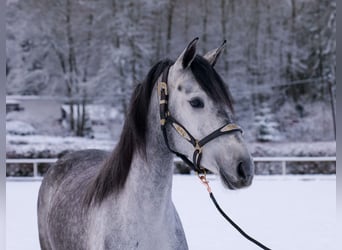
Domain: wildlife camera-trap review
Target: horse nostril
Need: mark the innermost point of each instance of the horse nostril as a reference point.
(241, 171)
(245, 171)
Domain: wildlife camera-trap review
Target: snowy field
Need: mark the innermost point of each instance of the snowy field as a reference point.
(285, 213)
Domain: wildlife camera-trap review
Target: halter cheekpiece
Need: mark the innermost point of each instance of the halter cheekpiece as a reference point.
(167, 118)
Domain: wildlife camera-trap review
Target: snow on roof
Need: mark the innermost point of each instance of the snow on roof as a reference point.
(32, 146)
(12, 101)
(19, 128)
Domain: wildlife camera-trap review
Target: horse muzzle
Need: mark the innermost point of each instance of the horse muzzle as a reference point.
(243, 176)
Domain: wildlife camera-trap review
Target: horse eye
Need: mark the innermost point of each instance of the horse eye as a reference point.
(196, 103)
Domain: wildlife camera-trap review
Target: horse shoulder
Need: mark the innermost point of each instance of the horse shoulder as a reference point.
(62, 219)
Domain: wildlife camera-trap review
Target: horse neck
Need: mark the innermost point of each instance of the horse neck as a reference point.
(143, 209)
(150, 179)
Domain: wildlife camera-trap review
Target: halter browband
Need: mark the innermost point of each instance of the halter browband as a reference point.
(167, 118)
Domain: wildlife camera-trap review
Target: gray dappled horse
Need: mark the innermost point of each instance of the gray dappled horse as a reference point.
(92, 199)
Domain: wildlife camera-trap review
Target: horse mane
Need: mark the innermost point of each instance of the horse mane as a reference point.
(114, 172)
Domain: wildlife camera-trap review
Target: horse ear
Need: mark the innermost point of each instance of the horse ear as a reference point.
(188, 55)
(214, 54)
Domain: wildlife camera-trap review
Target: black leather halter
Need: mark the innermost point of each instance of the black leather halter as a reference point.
(167, 118)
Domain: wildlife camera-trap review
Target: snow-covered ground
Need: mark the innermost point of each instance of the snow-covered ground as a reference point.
(285, 213)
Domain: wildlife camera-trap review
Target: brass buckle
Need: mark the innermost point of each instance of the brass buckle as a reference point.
(181, 131)
(230, 127)
(162, 122)
(162, 86)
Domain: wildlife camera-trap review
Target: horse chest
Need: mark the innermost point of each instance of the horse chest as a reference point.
(131, 230)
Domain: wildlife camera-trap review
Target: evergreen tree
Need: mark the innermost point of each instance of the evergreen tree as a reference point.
(266, 125)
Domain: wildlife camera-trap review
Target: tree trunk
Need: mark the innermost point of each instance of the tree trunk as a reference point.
(290, 55)
(204, 25)
(159, 37)
(332, 103)
(71, 116)
(253, 60)
(83, 112)
(71, 63)
(78, 120)
(224, 20)
(89, 47)
(186, 21)
(170, 10)
(123, 91)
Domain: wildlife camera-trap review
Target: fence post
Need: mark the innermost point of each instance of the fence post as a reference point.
(35, 169)
(283, 167)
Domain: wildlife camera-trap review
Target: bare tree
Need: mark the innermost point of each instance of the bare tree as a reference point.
(99, 50)
(170, 13)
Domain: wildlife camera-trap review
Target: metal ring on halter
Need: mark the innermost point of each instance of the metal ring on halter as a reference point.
(203, 178)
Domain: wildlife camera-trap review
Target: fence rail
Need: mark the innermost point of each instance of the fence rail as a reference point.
(283, 161)
(34, 162)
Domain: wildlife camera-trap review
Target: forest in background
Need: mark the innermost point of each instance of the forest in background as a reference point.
(279, 63)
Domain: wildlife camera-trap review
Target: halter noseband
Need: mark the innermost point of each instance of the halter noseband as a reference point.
(167, 118)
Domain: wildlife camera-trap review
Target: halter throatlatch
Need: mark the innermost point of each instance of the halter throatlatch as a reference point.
(166, 118)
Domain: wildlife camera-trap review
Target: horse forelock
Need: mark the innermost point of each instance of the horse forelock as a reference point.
(211, 82)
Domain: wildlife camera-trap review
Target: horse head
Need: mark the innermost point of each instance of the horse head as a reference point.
(200, 102)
